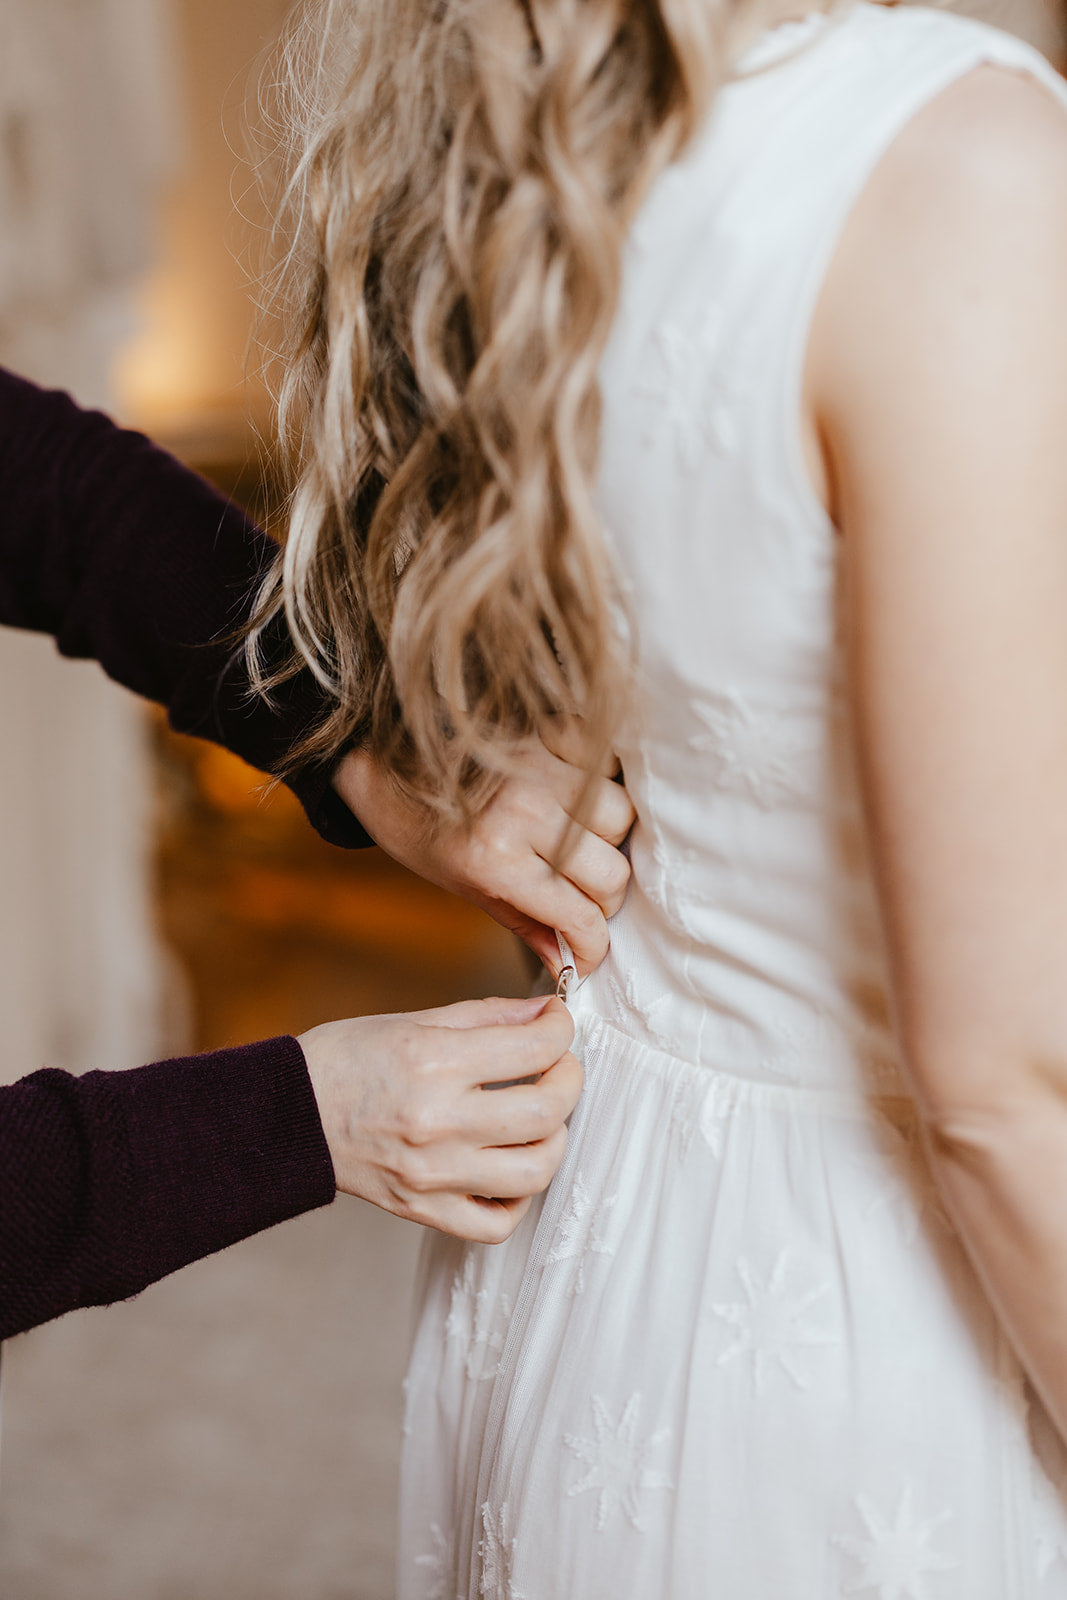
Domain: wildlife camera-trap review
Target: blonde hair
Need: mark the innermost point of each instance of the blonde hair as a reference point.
(462, 174)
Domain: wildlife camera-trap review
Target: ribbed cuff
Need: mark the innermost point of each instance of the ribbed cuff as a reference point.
(220, 1146)
(325, 809)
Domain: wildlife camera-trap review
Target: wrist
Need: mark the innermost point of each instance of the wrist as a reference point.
(322, 1077)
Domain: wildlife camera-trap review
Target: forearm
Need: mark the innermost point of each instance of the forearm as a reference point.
(113, 1180)
(127, 558)
(1004, 1179)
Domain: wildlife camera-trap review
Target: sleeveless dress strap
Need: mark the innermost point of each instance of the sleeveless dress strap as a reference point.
(815, 108)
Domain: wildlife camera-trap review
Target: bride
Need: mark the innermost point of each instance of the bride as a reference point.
(700, 373)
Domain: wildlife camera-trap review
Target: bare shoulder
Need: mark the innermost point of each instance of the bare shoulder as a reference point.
(957, 245)
(995, 137)
(982, 159)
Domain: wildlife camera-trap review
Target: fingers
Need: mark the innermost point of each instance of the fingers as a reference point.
(581, 922)
(568, 739)
(514, 1173)
(525, 1113)
(505, 1052)
(467, 1014)
(453, 1129)
(599, 870)
(603, 805)
(411, 1124)
(532, 896)
(611, 813)
(537, 936)
(520, 1172)
(469, 1217)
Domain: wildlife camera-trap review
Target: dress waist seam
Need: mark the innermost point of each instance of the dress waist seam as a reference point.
(593, 1030)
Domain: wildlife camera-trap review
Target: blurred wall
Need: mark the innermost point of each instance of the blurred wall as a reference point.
(88, 132)
(184, 376)
(1040, 22)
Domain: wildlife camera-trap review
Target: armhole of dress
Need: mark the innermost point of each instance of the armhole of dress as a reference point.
(1026, 62)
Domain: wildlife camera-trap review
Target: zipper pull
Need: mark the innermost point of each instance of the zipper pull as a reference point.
(568, 981)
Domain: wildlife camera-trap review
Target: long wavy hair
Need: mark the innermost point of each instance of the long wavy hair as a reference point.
(461, 175)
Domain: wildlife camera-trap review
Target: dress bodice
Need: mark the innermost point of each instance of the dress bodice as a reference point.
(750, 941)
(737, 1348)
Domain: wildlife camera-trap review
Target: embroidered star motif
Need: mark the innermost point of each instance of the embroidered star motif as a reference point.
(655, 1013)
(686, 385)
(793, 1038)
(628, 999)
(440, 1565)
(754, 751)
(618, 1463)
(480, 1318)
(496, 1550)
(581, 1231)
(897, 1556)
(769, 1324)
(685, 1117)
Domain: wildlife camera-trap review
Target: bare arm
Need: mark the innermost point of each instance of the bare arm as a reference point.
(938, 374)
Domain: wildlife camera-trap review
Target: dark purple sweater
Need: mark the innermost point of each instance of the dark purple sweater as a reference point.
(111, 1180)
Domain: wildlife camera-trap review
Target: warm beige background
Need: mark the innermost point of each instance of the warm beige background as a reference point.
(233, 1433)
(185, 373)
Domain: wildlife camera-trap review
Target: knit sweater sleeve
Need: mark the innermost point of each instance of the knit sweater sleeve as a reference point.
(114, 1179)
(125, 556)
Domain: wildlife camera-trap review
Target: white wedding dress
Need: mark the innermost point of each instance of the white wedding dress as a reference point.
(737, 1352)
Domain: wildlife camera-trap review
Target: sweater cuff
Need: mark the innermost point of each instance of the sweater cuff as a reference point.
(325, 809)
(243, 1150)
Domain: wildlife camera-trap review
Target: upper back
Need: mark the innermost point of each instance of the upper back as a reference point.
(749, 869)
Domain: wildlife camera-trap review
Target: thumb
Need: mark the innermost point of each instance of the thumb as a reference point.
(536, 936)
(485, 1013)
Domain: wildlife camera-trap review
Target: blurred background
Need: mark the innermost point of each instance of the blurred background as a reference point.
(233, 1433)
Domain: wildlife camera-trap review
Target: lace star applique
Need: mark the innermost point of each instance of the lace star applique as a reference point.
(480, 1318)
(896, 1556)
(496, 1551)
(627, 999)
(440, 1563)
(770, 1324)
(618, 1463)
(715, 1113)
(686, 385)
(685, 1118)
(754, 751)
(581, 1231)
(794, 1038)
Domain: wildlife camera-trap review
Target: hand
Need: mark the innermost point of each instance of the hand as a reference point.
(413, 1128)
(503, 861)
